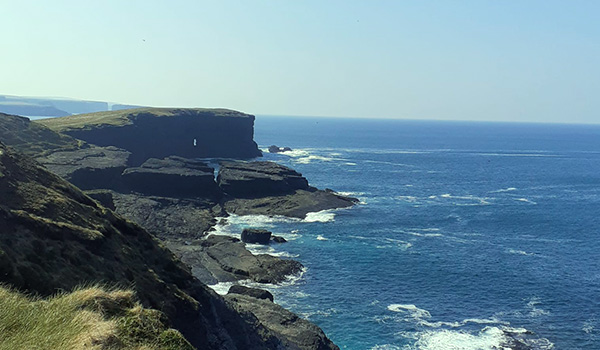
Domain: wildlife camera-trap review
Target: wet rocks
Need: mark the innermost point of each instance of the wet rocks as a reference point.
(252, 235)
(226, 259)
(277, 149)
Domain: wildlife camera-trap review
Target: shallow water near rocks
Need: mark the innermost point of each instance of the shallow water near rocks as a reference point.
(468, 235)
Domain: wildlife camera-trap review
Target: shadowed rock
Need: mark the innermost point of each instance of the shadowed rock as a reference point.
(251, 292)
(259, 179)
(173, 177)
(295, 332)
(162, 132)
(253, 235)
(225, 259)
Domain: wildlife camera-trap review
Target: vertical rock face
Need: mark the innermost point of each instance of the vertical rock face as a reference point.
(158, 133)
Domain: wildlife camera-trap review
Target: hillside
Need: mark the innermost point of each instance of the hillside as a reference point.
(53, 237)
(32, 138)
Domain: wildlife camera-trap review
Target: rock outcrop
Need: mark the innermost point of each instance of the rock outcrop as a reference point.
(162, 132)
(90, 167)
(252, 292)
(173, 177)
(253, 235)
(269, 188)
(277, 149)
(259, 179)
(295, 332)
(225, 259)
(53, 237)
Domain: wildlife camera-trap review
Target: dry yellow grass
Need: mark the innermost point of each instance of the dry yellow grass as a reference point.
(88, 318)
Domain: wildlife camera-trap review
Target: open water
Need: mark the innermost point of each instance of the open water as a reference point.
(468, 235)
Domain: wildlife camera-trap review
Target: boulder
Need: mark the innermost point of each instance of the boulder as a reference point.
(259, 179)
(252, 235)
(278, 239)
(252, 292)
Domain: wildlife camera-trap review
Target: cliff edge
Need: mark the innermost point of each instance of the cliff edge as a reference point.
(161, 132)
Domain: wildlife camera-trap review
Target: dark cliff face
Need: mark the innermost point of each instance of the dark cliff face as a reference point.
(53, 237)
(158, 133)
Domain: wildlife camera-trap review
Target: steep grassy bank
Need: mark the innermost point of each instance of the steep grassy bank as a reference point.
(87, 318)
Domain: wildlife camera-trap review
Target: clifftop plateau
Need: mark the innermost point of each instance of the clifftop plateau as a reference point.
(161, 132)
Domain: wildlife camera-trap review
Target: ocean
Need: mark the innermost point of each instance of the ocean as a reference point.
(468, 235)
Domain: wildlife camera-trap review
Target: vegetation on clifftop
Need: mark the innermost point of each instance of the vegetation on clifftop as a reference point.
(127, 116)
(87, 318)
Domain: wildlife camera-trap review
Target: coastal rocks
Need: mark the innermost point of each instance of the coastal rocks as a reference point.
(226, 259)
(296, 204)
(162, 132)
(54, 238)
(294, 332)
(165, 217)
(268, 188)
(252, 235)
(251, 292)
(259, 179)
(277, 149)
(173, 177)
(89, 168)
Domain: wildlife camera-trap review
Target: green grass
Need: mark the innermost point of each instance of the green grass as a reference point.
(87, 318)
(126, 117)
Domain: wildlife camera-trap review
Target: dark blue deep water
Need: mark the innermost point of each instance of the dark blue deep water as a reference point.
(468, 235)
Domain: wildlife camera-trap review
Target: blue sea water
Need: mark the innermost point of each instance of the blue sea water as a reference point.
(468, 235)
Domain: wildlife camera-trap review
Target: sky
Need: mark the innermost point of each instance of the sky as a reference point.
(510, 60)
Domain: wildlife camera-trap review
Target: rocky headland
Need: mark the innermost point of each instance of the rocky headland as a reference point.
(142, 164)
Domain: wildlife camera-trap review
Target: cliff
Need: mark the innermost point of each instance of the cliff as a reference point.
(53, 237)
(161, 132)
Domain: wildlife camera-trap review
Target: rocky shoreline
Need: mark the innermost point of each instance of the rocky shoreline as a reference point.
(179, 200)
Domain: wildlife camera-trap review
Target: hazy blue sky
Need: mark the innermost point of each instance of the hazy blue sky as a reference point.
(468, 60)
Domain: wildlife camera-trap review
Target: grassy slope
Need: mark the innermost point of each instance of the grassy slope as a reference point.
(87, 318)
(32, 138)
(127, 116)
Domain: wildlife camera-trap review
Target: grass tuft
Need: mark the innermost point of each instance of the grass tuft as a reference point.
(87, 318)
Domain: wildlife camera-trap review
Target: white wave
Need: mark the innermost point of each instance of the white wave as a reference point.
(306, 160)
(520, 252)
(478, 200)
(221, 288)
(409, 199)
(525, 200)
(320, 216)
(351, 164)
(484, 321)
(350, 193)
(418, 234)
(509, 189)
(412, 310)
(321, 238)
(489, 338)
(588, 327)
(385, 347)
(534, 310)
(296, 153)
